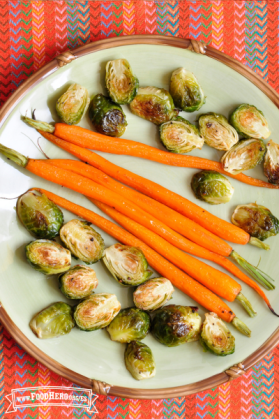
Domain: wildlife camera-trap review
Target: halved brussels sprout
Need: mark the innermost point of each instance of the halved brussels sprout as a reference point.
(154, 104)
(73, 104)
(79, 282)
(211, 187)
(153, 294)
(83, 241)
(250, 122)
(52, 322)
(48, 257)
(174, 325)
(96, 311)
(107, 117)
(39, 215)
(121, 83)
(216, 337)
(244, 155)
(180, 136)
(186, 92)
(129, 324)
(271, 162)
(217, 132)
(256, 220)
(139, 360)
(127, 264)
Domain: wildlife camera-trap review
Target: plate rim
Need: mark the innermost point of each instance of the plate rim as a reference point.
(100, 387)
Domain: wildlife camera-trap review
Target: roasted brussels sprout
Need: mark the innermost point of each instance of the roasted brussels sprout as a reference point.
(127, 264)
(96, 311)
(154, 104)
(211, 187)
(180, 136)
(250, 122)
(271, 162)
(217, 132)
(216, 337)
(244, 155)
(48, 257)
(185, 90)
(139, 360)
(256, 220)
(129, 324)
(40, 216)
(73, 104)
(153, 294)
(107, 117)
(79, 282)
(83, 241)
(121, 83)
(52, 322)
(174, 325)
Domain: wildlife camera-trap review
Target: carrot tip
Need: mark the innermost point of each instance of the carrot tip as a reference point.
(272, 311)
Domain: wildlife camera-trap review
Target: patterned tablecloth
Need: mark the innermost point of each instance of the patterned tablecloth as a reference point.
(33, 33)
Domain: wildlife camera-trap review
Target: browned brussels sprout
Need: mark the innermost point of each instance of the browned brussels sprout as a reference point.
(48, 257)
(215, 337)
(121, 83)
(250, 122)
(217, 132)
(185, 90)
(73, 104)
(271, 162)
(78, 282)
(211, 187)
(153, 294)
(139, 360)
(129, 324)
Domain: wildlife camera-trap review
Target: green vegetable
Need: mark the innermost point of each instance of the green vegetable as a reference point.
(52, 322)
(130, 324)
(211, 187)
(153, 294)
(217, 132)
(73, 104)
(271, 162)
(250, 122)
(121, 83)
(79, 282)
(216, 337)
(139, 360)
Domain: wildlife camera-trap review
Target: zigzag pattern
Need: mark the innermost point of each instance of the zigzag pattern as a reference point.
(239, 23)
(72, 24)
(49, 27)
(228, 27)
(162, 23)
(150, 17)
(202, 404)
(272, 44)
(217, 25)
(129, 14)
(38, 32)
(134, 409)
(261, 39)
(263, 388)
(195, 21)
(224, 401)
(246, 394)
(117, 18)
(95, 20)
(61, 25)
(83, 16)
(157, 407)
(184, 14)
(5, 56)
(206, 27)
(106, 19)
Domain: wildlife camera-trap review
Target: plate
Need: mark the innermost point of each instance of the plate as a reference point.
(87, 358)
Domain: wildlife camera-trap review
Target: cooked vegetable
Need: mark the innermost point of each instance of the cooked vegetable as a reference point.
(127, 264)
(48, 257)
(79, 282)
(121, 83)
(153, 294)
(41, 217)
(107, 117)
(211, 187)
(250, 122)
(217, 132)
(180, 136)
(154, 104)
(186, 92)
(73, 104)
(96, 311)
(244, 155)
(52, 322)
(139, 360)
(83, 241)
(216, 337)
(271, 162)
(129, 324)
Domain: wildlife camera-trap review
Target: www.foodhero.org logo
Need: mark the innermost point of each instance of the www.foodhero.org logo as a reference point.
(20, 398)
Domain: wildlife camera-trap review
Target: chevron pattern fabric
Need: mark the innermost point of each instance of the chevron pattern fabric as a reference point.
(32, 34)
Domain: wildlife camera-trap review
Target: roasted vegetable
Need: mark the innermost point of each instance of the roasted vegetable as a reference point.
(250, 122)
(79, 282)
(271, 162)
(153, 294)
(130, 324)
(256, 220)
(73, 104)
(121, 83)
(154, 104)
(216, 337)
(83, 241)
(244, 155)
(48, 257)
(174, 325)
(211, 187)
(180, 136)
(217, 132)
(96, 311)
(185, 90)
(107, 117)
(40, 216)
(139, 360)
(127, 264)
(52, 322)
